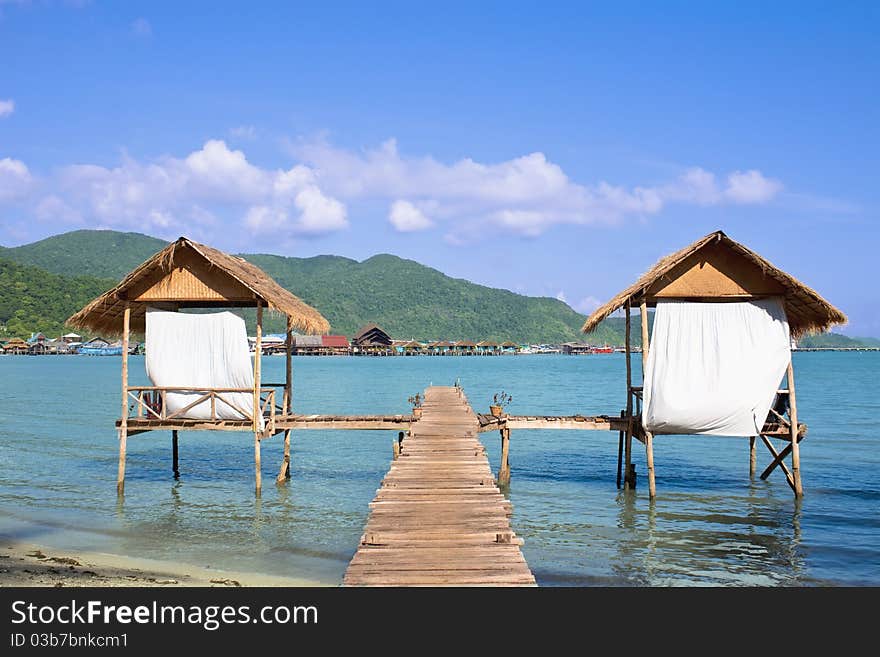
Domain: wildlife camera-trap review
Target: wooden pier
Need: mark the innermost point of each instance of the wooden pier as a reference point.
(439, 519)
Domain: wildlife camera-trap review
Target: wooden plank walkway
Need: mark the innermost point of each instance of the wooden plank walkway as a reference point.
(439, 519)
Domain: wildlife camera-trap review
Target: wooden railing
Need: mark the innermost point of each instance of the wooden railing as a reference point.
(150, 403)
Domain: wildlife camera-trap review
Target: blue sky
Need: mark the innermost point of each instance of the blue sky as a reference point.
(553, 149)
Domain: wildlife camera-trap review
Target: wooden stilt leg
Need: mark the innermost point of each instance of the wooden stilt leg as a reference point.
(504, 471)
(174, 466)
(123, 422)
(649, 452)
(258, 354)
(753, 460)
(120, 473)
(629, 479)
(258, 465)
(284, 472)
(620, 452)
(795, 448)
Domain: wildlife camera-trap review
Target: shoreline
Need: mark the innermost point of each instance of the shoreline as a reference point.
(35, 565)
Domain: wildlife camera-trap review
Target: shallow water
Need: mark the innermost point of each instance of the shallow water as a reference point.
(710, 524)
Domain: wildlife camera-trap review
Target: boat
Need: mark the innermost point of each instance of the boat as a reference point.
(101, 351)
(602, 350)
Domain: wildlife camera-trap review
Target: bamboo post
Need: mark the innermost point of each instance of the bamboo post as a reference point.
(628, 479)
(649, 453)
(620, 435)
(504, 471)
(649, 438)
(753, 457)
(284, 472)
(258, 349)
(795, 448)
(287, 401)
(288, 381)
(175, 469)
(123, 423)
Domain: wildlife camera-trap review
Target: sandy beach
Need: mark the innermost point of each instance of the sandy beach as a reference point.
(27, 564)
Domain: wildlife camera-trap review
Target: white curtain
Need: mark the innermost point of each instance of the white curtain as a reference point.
(200, 351)
(714, 368)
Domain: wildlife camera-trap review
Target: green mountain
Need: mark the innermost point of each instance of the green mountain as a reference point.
(97, 253)
(409, 300)
(32, 299)
(836, 340)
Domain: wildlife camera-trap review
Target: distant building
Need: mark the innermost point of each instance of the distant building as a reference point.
(69, 338)
(371, 339)
(576, 348)
(488, 348)
(337, 345)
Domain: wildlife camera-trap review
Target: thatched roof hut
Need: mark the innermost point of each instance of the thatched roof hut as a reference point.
(189, 274)
(717, 267)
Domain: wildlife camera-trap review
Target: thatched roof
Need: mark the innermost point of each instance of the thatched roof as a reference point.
(213, 272)
(806, 310)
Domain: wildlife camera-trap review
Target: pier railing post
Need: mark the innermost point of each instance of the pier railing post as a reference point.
(504, 470)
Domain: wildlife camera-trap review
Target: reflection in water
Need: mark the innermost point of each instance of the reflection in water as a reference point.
(684, 539)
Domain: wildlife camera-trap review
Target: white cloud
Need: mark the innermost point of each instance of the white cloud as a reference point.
(53, 209)
(141, 27)
(523, 196)
(7, 107)
(407, 218)
(587, 305)
(243, 132)
(190, 190)
(561, 296)
(751, 187)
(526, 195)
(320, 214)
(15, 179)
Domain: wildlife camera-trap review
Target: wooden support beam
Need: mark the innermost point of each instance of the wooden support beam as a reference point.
(629, 480)
(504, 470)
(284, 472)
(174, 465)
(753, 460)
(643, 311)
(795, 448)
(287, 404)
(258, 350)
(782, 465)
(649, 453)
(123, 427)
(778, 459)
(620, 435)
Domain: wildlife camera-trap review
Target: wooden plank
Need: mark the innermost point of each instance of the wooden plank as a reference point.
(438, 515)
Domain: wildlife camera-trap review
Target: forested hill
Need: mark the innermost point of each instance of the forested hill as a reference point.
(409, 300)
(42, 283)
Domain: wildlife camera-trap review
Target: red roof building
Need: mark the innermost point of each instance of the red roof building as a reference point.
(335, 341)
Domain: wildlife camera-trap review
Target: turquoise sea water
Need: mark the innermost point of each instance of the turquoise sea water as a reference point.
(710, 524)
